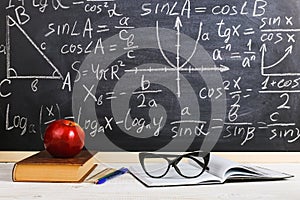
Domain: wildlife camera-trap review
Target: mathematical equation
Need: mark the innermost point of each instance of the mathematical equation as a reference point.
(171, 69)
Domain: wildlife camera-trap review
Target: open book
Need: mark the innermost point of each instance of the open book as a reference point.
(220, 171)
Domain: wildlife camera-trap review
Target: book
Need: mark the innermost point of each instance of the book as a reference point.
(42, 167)
(220, 170)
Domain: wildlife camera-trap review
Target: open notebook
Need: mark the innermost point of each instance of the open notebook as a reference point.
(220, 171)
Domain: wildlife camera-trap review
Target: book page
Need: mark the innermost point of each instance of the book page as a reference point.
(268, 173)
(219, 170)
(219, 166)
(224, 168)
(172, 178)
(227, 169)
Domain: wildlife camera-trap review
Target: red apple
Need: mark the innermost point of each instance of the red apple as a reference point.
(64, 138)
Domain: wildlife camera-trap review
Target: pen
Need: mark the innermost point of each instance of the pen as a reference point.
(118, 172)
(101, 174)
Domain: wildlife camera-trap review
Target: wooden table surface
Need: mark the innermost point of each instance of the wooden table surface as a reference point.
(126, 187)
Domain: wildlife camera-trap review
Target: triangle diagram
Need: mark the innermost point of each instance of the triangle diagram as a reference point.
(25, 59)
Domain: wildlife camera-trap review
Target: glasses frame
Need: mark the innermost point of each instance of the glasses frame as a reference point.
(174, 162)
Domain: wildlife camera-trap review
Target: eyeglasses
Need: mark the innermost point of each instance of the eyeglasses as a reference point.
(189, 165)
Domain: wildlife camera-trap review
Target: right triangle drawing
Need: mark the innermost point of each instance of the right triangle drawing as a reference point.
(24, 58)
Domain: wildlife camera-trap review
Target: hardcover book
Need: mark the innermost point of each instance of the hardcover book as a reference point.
(42, 167)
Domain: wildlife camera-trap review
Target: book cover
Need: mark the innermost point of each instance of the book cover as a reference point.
(42, 167)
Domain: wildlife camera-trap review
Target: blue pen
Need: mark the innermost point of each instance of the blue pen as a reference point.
(119, 172)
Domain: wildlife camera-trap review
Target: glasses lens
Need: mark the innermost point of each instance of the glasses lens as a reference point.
(191, 167)
(156, 166)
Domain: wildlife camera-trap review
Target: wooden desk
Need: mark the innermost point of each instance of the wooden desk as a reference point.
(126, 187)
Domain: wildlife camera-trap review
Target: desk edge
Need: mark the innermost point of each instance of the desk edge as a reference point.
(128, 157)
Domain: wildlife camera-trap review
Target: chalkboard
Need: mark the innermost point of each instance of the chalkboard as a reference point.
(152, 75)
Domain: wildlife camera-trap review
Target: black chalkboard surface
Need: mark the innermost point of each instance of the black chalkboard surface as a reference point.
(142, 75)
